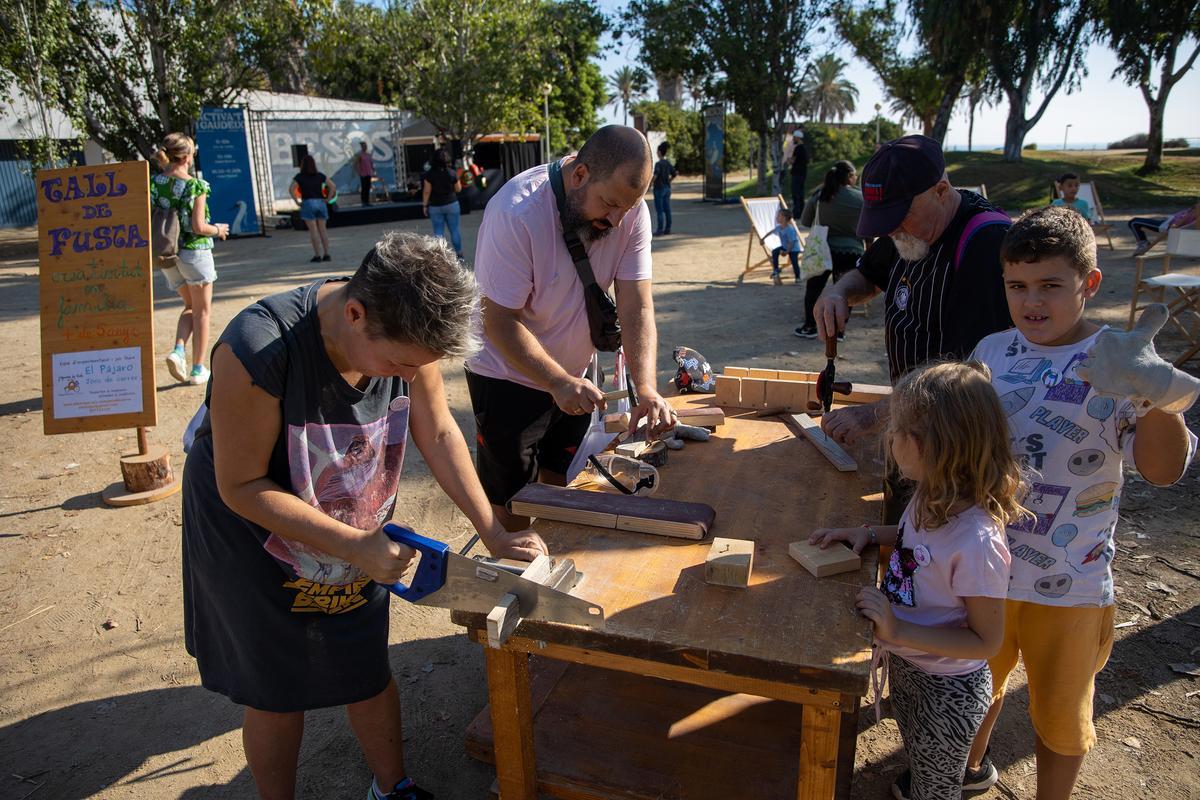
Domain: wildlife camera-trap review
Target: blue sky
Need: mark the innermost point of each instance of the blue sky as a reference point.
(1102, 110)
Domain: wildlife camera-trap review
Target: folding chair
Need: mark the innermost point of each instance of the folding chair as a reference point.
(762, 211)
(1182, 243)
(980, 190)
(1089, 192)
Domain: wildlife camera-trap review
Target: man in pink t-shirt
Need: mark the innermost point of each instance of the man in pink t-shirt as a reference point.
(365, 167)
(531, 401)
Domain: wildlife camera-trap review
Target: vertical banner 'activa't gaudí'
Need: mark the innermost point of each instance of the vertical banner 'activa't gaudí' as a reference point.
(225, 162)
(714, 152)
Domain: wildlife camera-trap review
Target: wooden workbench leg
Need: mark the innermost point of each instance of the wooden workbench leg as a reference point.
(820, 736)
(846, 749)
(512, 723)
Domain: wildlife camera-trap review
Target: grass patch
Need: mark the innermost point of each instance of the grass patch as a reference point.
(1015, 187)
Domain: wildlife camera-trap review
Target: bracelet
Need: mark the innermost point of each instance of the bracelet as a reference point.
(870, 530)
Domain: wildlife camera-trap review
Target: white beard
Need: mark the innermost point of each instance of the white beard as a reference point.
(909, 247)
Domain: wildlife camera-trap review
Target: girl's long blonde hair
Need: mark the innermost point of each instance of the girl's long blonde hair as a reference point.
(175, 147)
(954, 414)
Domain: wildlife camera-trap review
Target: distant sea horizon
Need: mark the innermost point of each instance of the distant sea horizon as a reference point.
(986, 146)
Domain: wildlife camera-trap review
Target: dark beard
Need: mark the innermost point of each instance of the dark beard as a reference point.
(574, 220)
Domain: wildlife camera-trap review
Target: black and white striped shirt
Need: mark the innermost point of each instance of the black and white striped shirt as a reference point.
(932, 311)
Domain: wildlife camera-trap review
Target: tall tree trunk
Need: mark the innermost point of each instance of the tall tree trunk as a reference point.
(1154, 144)
(776, 162)
(941, 123)
(1015, 127)
(762, 163)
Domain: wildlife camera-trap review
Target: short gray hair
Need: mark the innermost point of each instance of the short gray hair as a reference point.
(415, 290)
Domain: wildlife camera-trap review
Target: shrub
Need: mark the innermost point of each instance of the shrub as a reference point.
(853, 142)
(685, 132)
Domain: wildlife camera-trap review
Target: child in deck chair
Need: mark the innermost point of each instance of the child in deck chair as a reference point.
(1075, 393)
(939, 610)
(1068, 191)
(789, 243)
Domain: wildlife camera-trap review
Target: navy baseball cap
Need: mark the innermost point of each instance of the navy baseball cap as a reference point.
(899, 171)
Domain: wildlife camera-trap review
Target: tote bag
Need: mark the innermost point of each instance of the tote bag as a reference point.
(816, 257)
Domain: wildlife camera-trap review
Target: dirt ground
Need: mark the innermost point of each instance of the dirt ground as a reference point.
(90, 710)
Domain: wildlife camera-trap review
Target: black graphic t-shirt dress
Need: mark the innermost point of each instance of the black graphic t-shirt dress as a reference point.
(275, 624)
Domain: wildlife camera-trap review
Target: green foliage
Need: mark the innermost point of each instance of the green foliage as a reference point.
(578, 86)
(824, 92)
(343, 53)
(627, 84)
(685, 133)
(1139, 141)
(129, 71)
(854, 142)
(746, 51)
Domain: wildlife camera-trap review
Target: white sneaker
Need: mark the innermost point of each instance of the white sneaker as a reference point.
(199, 375)
(177, 367)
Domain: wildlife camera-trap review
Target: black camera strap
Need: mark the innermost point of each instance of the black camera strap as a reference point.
(574, 246)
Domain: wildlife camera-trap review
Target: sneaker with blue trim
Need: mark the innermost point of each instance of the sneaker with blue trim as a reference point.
(199, 376)
(176, 365)
(404, 790)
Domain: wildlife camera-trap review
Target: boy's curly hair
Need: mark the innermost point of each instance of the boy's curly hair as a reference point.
(1049, 232)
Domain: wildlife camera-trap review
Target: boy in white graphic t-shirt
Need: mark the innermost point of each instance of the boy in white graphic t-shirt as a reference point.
(1080, 399)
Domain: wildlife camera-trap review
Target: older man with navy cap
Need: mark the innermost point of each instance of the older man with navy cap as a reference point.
(937, 261)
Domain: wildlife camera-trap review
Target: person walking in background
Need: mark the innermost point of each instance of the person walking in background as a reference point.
(797, 164)
(195, 273)
(664, 173)
(365, 167)
(840, 203)
(310, 187)
(439, 199)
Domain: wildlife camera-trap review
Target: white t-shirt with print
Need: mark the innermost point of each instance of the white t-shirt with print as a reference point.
(1074, 441)
(931, 571)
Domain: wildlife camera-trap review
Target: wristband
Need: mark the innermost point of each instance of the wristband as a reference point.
(871, 531)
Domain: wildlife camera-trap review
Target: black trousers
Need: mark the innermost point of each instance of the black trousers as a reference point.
(842, 263)
(365, 190)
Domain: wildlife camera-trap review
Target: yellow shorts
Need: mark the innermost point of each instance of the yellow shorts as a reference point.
(1063, 649)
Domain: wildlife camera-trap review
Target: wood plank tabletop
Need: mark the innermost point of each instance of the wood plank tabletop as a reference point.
(768, 485)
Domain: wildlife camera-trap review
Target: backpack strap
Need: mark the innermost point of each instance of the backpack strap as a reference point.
(983, 219)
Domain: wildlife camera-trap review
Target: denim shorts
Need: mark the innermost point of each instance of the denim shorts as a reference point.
(195, 267)
(314, 209)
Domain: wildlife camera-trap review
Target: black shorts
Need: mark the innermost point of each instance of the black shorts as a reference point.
(518, 431)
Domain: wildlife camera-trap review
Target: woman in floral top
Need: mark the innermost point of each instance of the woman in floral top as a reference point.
(194, 274)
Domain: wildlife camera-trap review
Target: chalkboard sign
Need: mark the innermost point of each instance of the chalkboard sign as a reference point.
(96, 298)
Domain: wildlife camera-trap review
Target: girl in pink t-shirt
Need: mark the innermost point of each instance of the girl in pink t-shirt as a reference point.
(939, 610)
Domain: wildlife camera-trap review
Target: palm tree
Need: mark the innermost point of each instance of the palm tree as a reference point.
(627, 83)
(825, 92)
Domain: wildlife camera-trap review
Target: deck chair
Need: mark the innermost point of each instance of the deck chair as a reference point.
(1089, 192)
(980, 190)
(1181, 243)
(762, 211)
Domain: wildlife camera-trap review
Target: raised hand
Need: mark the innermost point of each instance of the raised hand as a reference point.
(1124, 364)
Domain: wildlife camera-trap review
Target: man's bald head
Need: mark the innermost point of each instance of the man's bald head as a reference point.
(617, 149)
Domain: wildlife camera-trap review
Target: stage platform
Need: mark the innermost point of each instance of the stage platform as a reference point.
(374, 214)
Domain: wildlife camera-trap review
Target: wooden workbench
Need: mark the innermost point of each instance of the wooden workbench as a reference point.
(667, 700)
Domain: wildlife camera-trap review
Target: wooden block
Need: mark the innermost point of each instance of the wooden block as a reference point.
(765, 374)
(653, 453)
(677, 530)
(623, 512)
(729, 562)
(787, 395)
(737, 372)
(832, 560)
(616, 422)
(502, 619)
(811, 430)
(754, 393)
(802, 377)
(729, 391)
(707, 417)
